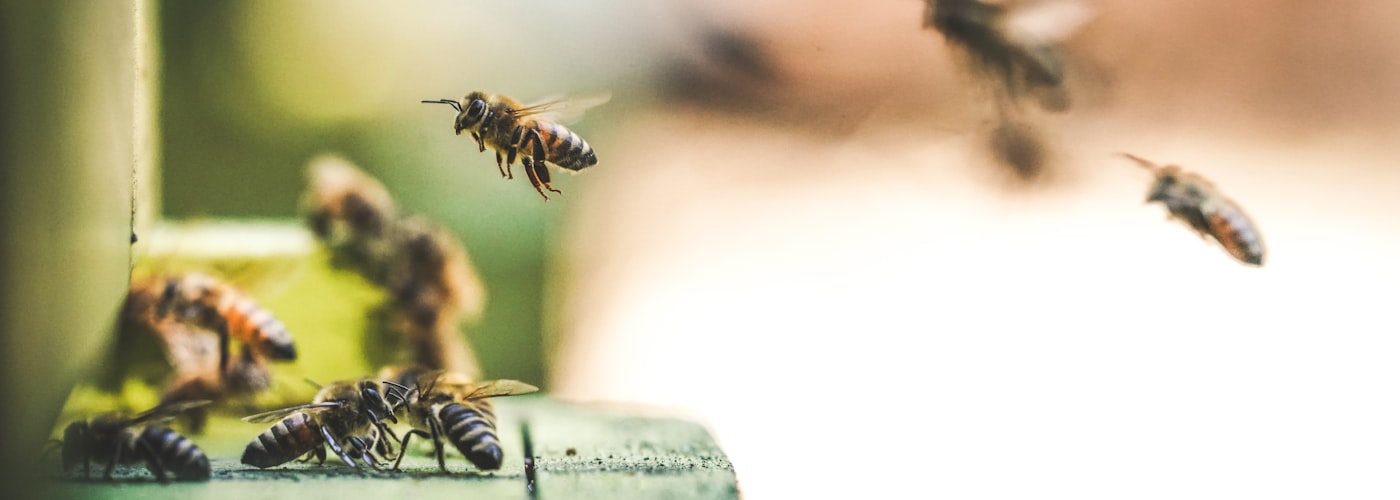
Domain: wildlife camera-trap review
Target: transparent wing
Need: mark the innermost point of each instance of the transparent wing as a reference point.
(166, 412)
(495, 388)
(275, 415)
(563, 110)
(1045, 21)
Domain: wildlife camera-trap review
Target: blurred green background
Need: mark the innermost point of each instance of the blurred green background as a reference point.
(250, 91)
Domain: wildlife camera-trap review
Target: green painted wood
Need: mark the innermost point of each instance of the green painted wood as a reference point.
(617, 454)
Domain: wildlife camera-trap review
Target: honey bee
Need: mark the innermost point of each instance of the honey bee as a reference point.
(352, 214)
(1016, 42)
(209, 303)
(1195, 201)
(448, 406)
(118, 439)
(513, 129)
(347, 416)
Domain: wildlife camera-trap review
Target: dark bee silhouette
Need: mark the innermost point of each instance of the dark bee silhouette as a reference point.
(117, 439)
(447, 406)
(1195, 201)
(1018, 44)
(516, 130)
(347, 416)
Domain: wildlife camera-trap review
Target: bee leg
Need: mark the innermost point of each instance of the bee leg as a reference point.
(403, 450)
(330, 440)
(223, 348)
(112, 464)
(480, 146)
(436, 427)
(153, 463)
(320, 454)
(383, 446)
(510, 160)
(535, 164)
(499, 168)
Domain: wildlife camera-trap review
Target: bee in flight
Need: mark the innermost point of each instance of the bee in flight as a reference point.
(1195, 201)
(1017, 42)
(209, 303)
(529, 132)
(119, 439)
(448, 406)
(347, 416)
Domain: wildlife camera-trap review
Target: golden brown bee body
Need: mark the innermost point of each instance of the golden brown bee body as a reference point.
(447, 406)
(117, 439)
(513, 130)
(346, 416)
(1195, 201)
(209, 303)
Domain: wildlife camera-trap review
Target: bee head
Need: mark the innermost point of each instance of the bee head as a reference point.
(1164, 187)
(378, 407)
(473, 114)
(74, 440)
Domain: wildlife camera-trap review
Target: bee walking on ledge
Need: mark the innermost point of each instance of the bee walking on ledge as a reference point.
(118, 439)
(530, 132)
(1195, 201)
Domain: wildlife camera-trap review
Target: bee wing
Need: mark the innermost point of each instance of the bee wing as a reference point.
(166, 411)
(493, 388)
(1046, 21)
(275, 415)
(563, 110)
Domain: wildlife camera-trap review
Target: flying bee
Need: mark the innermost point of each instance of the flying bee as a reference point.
(1195, 201)
(1016, 42)
(118, 439)
(209, 303)
(347, 416)
(515, 130)
(448, 406)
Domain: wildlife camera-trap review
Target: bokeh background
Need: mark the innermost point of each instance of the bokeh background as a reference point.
(797, 234)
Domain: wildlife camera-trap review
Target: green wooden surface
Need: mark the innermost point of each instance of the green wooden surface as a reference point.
(617, 454)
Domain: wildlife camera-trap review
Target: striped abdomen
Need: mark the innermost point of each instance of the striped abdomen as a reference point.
(293, 437)
(177, 454)
(472, 428)
(562, 146)
(256, 327)
(1233, 229)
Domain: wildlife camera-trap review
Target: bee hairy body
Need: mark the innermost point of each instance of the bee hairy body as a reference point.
(293, 437)
(471, 427)
(118, 440)
(514, 130)
(1196, 202)
(218, 306)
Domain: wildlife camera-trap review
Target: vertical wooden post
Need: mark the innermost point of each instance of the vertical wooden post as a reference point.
(66, 140)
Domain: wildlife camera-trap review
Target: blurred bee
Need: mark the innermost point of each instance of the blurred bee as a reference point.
(529, 132)
(448, 406)
(203, 301)
(352, 214)
(192, 352)
(117, 439)
(1195, 201)
(347, 416)
(1017, 42)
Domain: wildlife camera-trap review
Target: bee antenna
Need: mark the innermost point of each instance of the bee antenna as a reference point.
(455, 105)
(1141, 162)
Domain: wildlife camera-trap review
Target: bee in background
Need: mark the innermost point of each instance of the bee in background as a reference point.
(448, 406)
(426, 271)
(1016, 42)
(530, 132)
(192, 352)
(1192, 199)
(117, 439)
(347, 416)
(206, 302)
(353, 214)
